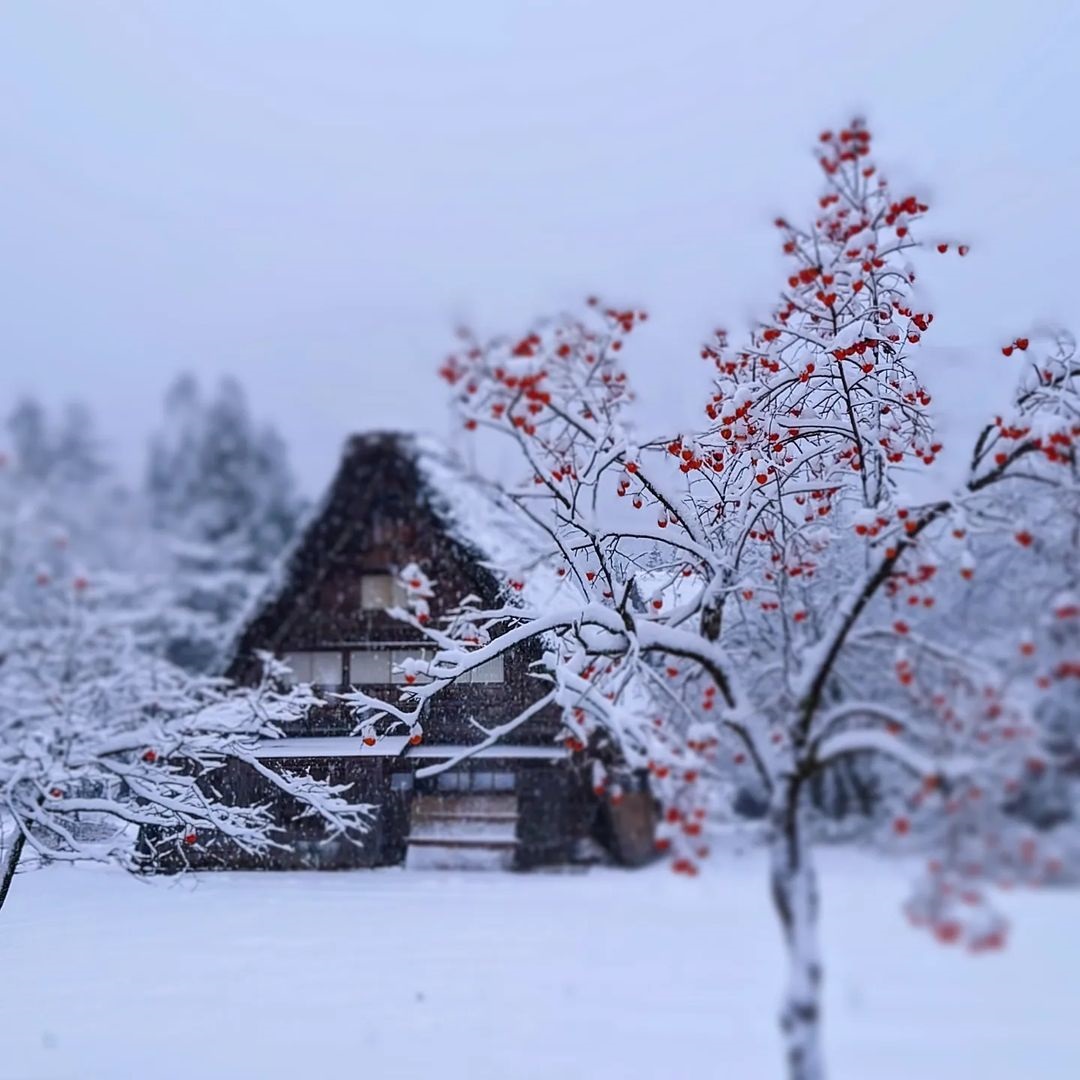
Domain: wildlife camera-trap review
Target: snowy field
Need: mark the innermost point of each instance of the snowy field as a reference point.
(595, 975)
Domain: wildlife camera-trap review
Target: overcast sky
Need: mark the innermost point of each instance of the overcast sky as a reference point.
(309, 195)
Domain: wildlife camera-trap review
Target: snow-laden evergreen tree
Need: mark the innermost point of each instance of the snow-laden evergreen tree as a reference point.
(763, 594)
(1037, 612)
(59, 452)
(220, 490)
(30, 440)
(56, 468)
(78, 455)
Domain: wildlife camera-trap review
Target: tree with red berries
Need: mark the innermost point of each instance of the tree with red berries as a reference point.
(100, 738)
(755, 602)
(1043, 521)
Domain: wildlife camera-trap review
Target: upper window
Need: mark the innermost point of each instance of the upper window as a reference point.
(380, 591)
(322, 668)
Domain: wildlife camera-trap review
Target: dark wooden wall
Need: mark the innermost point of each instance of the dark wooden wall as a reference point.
(378, 518)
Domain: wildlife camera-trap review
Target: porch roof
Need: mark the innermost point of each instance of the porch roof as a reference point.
(330, 746)
(499, 750)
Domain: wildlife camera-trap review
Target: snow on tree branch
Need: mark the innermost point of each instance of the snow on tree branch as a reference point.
(722, 603)
(100, 738)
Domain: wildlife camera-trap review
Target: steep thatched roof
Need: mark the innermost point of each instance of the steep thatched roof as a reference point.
(400, 475)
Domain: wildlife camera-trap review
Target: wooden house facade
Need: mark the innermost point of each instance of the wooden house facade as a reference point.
(516, 804)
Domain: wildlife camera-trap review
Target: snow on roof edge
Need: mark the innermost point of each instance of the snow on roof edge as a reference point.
(474, 510)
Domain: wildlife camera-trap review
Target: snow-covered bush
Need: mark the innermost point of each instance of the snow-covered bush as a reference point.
(99, 736)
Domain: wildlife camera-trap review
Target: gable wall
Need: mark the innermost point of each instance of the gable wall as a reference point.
(378, 519)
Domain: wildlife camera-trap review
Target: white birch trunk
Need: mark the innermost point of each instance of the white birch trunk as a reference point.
(794, 890)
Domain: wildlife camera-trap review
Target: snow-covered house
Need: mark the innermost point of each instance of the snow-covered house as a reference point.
(397, 500)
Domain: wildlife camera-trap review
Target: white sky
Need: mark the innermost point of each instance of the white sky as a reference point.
(309, 195)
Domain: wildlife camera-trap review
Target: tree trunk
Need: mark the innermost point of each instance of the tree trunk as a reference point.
(12, 862)
(794, 890)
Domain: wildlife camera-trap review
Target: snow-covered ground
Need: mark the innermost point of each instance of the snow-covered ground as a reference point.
(605, 974)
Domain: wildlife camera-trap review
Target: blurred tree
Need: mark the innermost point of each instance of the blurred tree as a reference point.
(32, 452)
(220, 490)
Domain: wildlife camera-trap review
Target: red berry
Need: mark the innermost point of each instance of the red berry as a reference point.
(947, 932)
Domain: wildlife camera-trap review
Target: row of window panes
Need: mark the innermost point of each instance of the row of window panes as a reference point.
(459, 781)
(476, 781)
(372, 667)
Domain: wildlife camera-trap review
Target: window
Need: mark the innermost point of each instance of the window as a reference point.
(450, 781)
(398, 655)
(375, 667)
(322, 668)
(380, 591)
(491, 671)
(369, 668)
